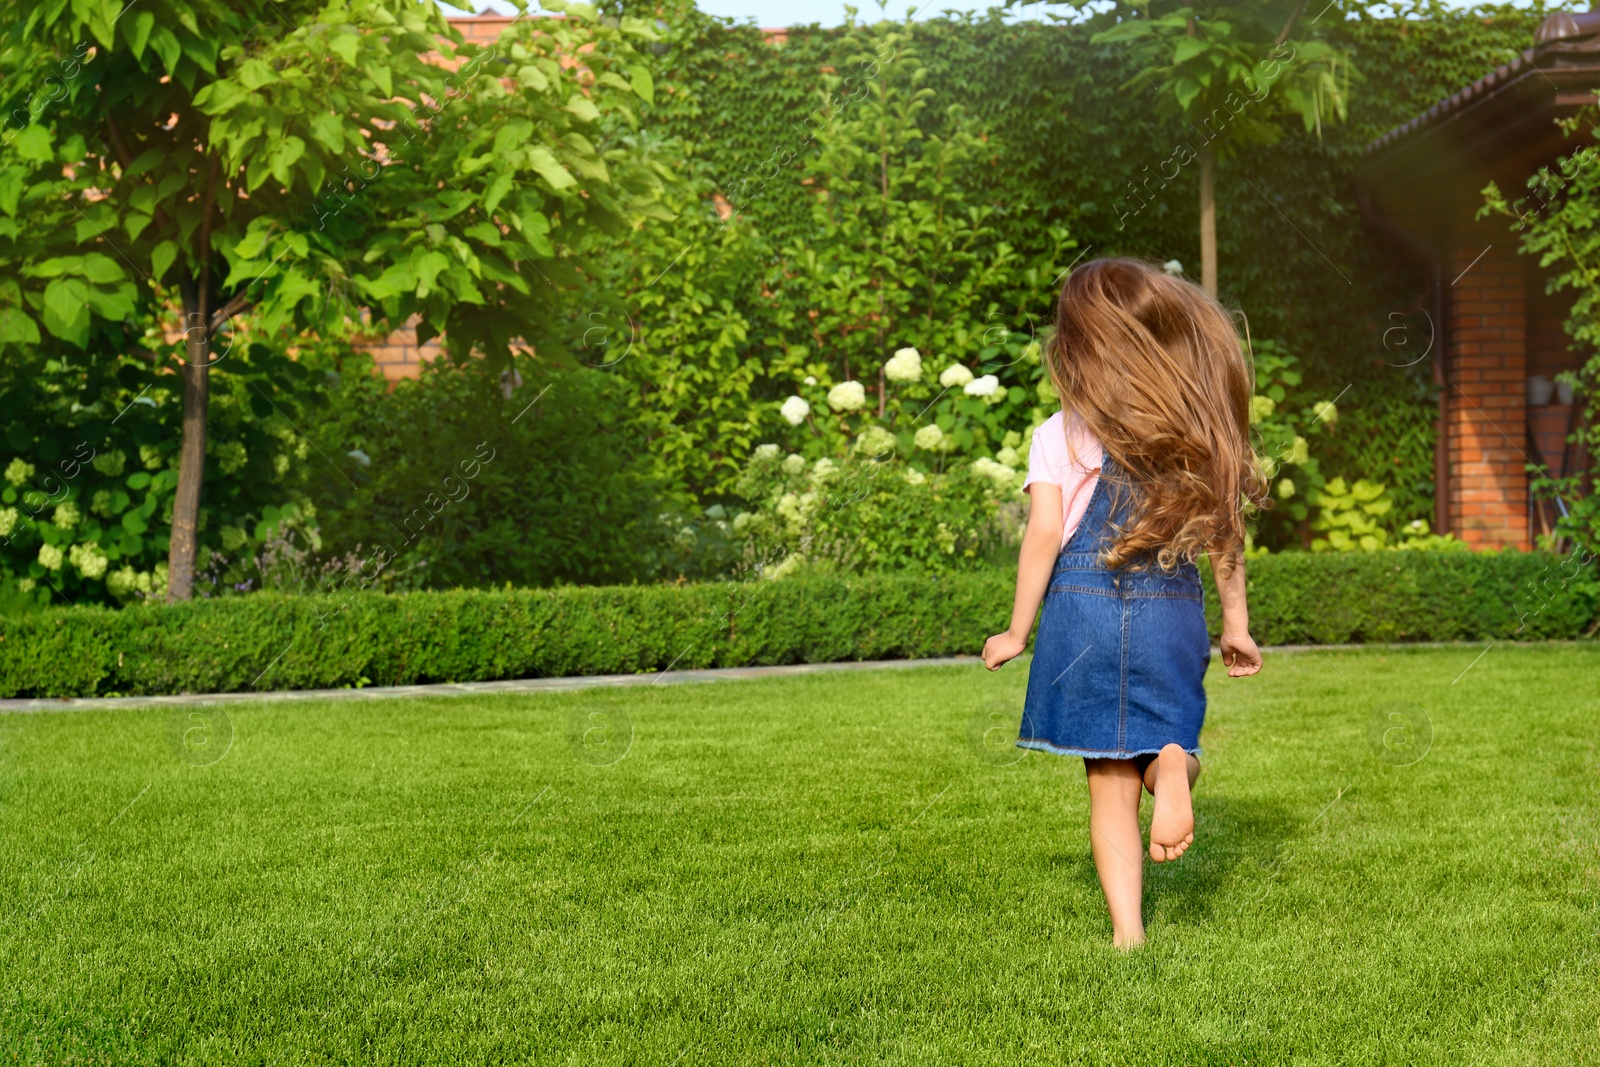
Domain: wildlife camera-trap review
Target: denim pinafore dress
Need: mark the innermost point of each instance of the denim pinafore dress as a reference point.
(1120, 658)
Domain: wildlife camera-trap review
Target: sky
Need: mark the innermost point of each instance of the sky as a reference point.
(773, 13)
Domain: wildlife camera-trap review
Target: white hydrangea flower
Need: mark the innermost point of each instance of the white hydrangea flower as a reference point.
(121, 583)
(955, 376)
(88, 560)
(8, 520)
(52, 557)
(904, 366)
(789, 508)
(930, 438)
(823, 468)
(150, 456)
(1262, 407)
(1003, 477)
(1008, 456)
(1299, 452)
(915, 477)
(789, 565)
(875, 441)
(768, 451)
(1285, 489)
(847, 396)
(1326, 412)
(811, 379)
(794, 463)
(988, 385)
(1172, 267)
(66, 515)
(111, 464)
(795, 410)
(26, 584)
(18, 471)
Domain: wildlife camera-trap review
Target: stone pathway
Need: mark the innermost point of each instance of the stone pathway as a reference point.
(521, 685)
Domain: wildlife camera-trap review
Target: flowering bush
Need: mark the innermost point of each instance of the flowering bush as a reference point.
(86, 495)
(862, 514)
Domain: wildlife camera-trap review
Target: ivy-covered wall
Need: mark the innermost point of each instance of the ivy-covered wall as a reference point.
(1077, 143)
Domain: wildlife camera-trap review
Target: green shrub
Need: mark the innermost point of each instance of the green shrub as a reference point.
(875, 515)
(1416, 595)
(357, 638)
(465, 477)
(89, 455)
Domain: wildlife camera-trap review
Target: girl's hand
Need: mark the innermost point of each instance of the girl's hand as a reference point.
(1002, 648)
(1240, 654)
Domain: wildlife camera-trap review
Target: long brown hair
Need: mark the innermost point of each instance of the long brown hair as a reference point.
(1155, 368)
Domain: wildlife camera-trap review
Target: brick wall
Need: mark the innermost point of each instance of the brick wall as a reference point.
(1486, 426)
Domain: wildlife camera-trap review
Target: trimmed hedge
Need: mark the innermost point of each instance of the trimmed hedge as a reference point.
(263, 641)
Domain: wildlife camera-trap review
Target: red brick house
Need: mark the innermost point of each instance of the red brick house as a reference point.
(1495, 331)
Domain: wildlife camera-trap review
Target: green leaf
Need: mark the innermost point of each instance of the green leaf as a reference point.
(102, 269)
(17, 328)
(497, 191)
(551, 171)
(35, 144)
(165, 44)
(255, 73)
(1187, 49)
(161, 257)
(66, 311)
(531, 77)
(582, 107)
(1184, 90)
(328, 131)
(487, 232)
(344, 45)
(138, 480)
(427, 269)
(380, 75)
(643, 83)
(11, 186)
(284, 155)
(137, 31)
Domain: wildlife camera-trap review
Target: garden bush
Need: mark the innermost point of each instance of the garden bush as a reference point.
(89, 454)
(875, 514)
(359, 638)
(534, 476)
(1068, 162)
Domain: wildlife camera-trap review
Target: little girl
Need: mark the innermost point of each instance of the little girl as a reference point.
(1148, 466)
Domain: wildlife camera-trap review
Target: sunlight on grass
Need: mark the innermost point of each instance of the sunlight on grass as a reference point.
(825, 868)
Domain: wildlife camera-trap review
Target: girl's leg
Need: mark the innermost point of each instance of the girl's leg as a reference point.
(1169, 777)
(1114, 840)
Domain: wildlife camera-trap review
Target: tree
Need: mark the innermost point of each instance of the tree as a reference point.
(315, 168)
(1217, 65)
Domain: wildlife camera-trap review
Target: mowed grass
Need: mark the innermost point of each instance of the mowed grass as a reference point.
(841, 868)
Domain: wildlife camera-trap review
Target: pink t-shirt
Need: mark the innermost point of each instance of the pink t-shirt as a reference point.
(1066, 453)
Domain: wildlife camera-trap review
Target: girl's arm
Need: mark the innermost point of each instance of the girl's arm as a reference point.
(1239, 651)
(1041, 544)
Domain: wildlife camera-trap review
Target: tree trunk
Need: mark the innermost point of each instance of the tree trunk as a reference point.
(1208, 221)
(192, 454)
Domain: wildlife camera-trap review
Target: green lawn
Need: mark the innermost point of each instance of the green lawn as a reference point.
(824, 869)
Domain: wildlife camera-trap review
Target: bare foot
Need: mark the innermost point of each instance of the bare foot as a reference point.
(1126, 940)
(1172, 824)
